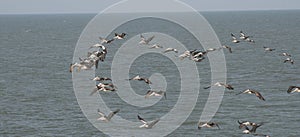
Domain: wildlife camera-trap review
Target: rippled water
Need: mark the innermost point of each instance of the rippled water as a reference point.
(37, 96)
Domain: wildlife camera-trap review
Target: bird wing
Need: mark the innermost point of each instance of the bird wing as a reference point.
(217, 125)
(233, 36)
(147, 80)
(101, 113)
(242, 33)
(142, 120)
(149, 92)
(149, 39)
(259, 95)
(168, 50)
(94, 91)
(151, 124)
(112, 114)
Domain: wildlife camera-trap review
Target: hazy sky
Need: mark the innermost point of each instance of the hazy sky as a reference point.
(95, 6)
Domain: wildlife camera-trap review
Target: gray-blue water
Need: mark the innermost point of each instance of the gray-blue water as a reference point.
(36, 91)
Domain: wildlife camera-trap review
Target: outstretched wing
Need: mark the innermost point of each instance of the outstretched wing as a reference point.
(100, 113)
(259, 95)
(150, 125)
(112, 114)
(142, 120)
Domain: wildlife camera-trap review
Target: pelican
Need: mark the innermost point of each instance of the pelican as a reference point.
(105, 41)
(285, 54)
(256, 93)
(81, 66)
(289, 60)
(210, 49)
(252, 130)
(155, 46)
(120, 36)
(208, 125)
(171, 49)
(155, 93)
(221, 84)
(226, 47)
(234, 39)
(144, 40)
(293, 89)
(184, 55)
(197, 59)
(268, 49)
(105, 118)
(146, 80)
(105, 87)
(147, 124)
(249, 40)
(245, 123)
(101, 78)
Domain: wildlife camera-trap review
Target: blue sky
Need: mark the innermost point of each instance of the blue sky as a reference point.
(95, 6)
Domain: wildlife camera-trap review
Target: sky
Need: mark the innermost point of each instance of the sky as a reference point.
(95, 6)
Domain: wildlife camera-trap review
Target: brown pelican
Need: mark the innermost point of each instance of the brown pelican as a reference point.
(285, 54)
(145, 41)
(289, 60)
(293, 89)
(268, 49)
(81, 66)
(147, 124)
(185, 55)
(253, 129)
(256, 93)
(210, 50)
(249, 40)
(101, 78)
(221, 84)
(208, 125)
(146, 80)
(105, 87)
(105, 118)
(120, 36)
(155, 93)
(226, 47)
(171, 49)
(155, 46)
(245, 123)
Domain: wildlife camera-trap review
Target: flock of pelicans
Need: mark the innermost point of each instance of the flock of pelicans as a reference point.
(105, 85)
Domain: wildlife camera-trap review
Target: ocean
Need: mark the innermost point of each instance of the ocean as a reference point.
(36, 89)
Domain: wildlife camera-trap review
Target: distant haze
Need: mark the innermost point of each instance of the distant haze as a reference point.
(95, 6)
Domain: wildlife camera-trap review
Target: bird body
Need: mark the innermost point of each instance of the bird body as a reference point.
(293, 89)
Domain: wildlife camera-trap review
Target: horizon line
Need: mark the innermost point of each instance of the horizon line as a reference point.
(53, 13)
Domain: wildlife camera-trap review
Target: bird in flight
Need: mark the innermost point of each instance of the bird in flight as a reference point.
(208, 125)
(147, 124)
(256, 93)
(293, 89)
(105, 118)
